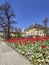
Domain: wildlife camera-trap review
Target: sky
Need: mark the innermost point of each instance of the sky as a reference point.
(29, 11)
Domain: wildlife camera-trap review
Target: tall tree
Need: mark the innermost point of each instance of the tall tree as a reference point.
(19, 30)
(6, 17)
(45, 22)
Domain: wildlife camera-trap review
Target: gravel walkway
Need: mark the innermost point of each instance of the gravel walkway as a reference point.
(8, 56)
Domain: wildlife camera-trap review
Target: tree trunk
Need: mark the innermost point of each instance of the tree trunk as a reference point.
(8, 31)
(5, 33)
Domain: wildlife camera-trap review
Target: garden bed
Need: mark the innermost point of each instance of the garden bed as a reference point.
(36, 52)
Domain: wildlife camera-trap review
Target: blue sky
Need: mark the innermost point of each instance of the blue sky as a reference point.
(29, 11)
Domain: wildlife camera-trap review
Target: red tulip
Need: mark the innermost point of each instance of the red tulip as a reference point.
(43, 46)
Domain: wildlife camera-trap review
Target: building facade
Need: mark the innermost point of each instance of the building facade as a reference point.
(34, 30)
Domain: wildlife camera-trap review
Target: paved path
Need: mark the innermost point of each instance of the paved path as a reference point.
(8, 56)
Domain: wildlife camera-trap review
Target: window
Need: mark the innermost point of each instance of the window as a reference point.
(38, 33)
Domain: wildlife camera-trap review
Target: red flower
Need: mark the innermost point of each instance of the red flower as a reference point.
(33, 42)
(28, 40)
(37, 39)
(42, 40)
(43, 46)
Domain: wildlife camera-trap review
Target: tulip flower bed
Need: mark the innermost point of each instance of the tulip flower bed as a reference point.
(35, 49)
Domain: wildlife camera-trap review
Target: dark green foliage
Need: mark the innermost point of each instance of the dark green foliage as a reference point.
(19, 35)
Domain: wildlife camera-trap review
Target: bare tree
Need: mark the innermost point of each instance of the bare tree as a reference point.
(45, 22)
(6, 15)
(19, 30)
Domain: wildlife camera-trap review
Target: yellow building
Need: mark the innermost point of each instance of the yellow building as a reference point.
(34, 30)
